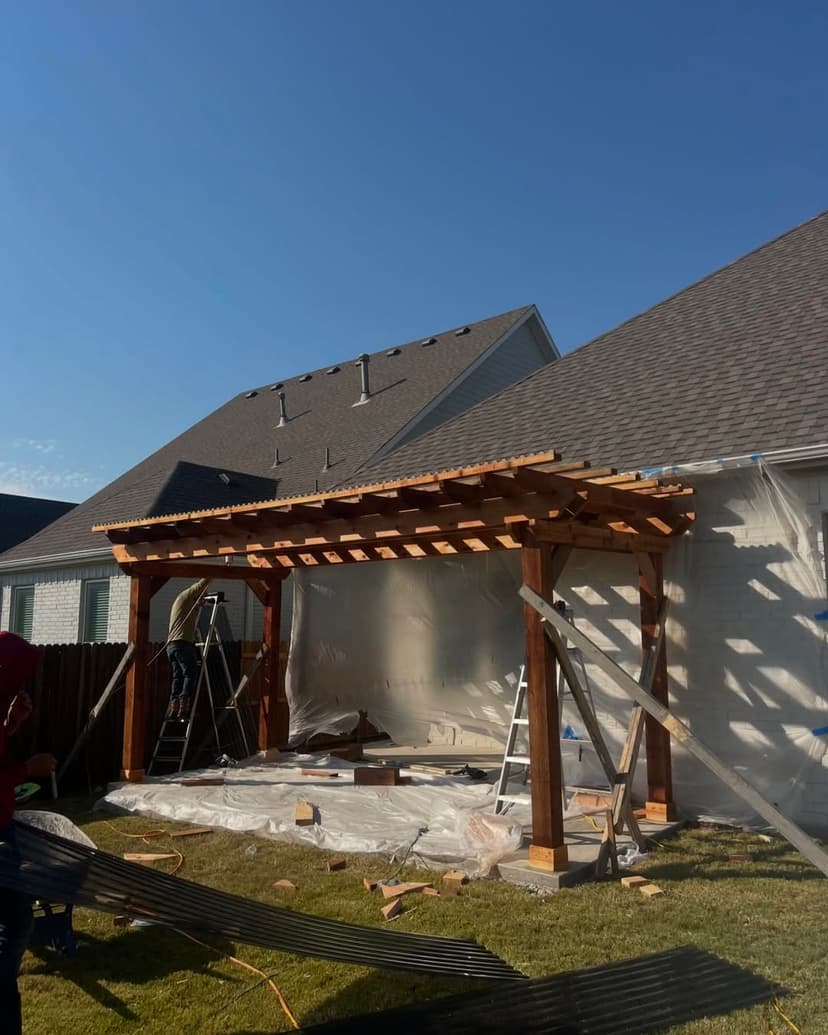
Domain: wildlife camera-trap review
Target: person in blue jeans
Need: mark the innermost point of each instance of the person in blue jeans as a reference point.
(18, 662)
(181, 649)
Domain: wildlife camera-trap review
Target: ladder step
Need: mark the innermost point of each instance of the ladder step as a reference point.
(518, 759)
(518, 799)
(167, 758)
(172, 740)
(521, 722)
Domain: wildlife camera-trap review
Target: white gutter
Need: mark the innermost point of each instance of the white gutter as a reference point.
(775, 456)
(57, 560)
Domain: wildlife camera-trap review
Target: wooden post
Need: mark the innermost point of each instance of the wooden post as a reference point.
(660, 806)
(541, 566)
(274, 716)
(140, 594)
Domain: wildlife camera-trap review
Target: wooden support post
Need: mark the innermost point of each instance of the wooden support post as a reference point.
(274, 717)
(140, 594)
(660, 806)
(541, 566)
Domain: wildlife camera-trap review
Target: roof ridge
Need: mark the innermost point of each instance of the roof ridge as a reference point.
(697, 283)
(519, 310)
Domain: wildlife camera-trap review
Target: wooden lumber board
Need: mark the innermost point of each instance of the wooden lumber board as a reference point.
(393, 909)
(377, 776)
(285, 886)
(148, 857)
(677, 729)
(591, 724)
(201, 781)
(304, 814)
(192, 832)
(324, 774)
(397, 890)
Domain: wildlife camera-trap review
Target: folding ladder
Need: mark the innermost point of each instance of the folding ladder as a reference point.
(173, 742)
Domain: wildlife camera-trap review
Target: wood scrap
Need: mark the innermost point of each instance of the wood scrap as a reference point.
(633, 881)
(147, 858)
(285, 885)
(431, 891)
(323, 774)
(453, 881)
(333, 865)
(305, 814)
(650, 890)
(376, 776)
(369, 885)
(191, 832)
(393, 909)
(202, 781)
(396, 890)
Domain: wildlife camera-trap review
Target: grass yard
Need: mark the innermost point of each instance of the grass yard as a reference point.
(767, 916)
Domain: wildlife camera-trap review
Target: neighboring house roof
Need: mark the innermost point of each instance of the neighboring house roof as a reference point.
(732, 365)
(230, 456)
(22, 516)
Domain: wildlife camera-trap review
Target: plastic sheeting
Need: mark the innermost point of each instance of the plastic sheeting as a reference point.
(426, 646)
(435, 821)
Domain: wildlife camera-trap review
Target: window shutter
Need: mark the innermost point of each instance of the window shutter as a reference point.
(96, 611)
(23, 611)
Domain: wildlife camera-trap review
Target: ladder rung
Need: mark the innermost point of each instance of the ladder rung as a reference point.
(518, 759)
(518, 799)
(167, 758)
(172, 740)
(521, 722)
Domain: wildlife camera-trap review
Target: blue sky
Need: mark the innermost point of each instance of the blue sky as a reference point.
(199, 197)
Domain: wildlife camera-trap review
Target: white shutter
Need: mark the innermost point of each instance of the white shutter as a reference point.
(23, 611)
(95, 611)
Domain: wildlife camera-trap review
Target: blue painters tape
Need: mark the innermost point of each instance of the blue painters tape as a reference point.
(822, 616)
(821, 732)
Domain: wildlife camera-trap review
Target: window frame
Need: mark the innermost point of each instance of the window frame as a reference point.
(86, 588)
(14, 610)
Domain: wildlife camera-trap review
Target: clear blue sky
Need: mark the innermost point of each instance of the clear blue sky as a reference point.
(199, 197)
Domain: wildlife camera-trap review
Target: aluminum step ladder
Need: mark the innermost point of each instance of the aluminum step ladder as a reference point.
(172, 746)
(513, 760)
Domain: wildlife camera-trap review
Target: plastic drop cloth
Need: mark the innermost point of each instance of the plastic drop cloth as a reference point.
(435, 821)
(430, 645)
(54, 823)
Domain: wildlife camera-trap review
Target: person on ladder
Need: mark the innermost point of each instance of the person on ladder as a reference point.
(181, 648)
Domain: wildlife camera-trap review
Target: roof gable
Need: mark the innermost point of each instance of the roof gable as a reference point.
(23, 516)
(244, 436)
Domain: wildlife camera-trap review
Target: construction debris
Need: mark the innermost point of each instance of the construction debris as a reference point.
(395, 890)
(285, 885)
(393, 909)
(202, 781)
(348, 753)
(146, 858)
(323, 774)
(431, 891)
(377, 776)
(305, 814)
(191, 832)
(452, 882)
(633, 881)
(369, 885)
(650, 890)
(335, 864)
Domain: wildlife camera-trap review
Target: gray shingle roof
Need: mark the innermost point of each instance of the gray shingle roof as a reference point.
(22, 516)
(734, 364)
(242, 436)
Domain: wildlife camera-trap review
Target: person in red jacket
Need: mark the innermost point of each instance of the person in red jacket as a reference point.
(18, 662)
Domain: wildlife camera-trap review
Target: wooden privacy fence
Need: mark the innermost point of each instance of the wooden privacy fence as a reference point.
(69, 681)
(71, 678)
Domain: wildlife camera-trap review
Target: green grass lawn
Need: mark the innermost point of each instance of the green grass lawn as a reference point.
(768, 916)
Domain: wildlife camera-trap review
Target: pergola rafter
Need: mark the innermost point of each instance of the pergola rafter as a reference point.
(538, 504)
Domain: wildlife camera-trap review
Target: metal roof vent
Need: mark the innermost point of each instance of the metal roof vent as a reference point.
(333, 370)
(276, 387)
(461, 331)
(393, 352)
(363, 362)
(283, 417)
(305, 377)
(428, 341)
(251, 395)
(327, 465)
(228, 481)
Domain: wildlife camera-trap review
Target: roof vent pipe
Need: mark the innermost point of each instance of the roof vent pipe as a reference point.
(327, 465)
(362, 362)
(283, 417)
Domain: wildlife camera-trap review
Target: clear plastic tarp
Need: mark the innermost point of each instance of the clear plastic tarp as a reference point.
(432, 648)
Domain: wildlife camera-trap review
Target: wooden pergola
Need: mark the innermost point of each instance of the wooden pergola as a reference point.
(537, 504)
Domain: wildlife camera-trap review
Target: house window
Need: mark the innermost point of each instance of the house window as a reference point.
(22, 611)
(95, 611)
